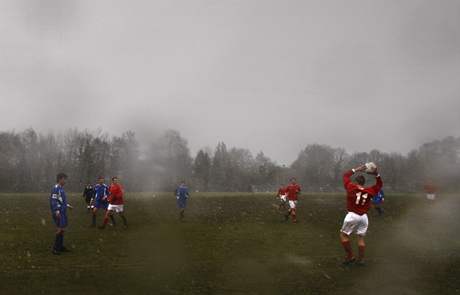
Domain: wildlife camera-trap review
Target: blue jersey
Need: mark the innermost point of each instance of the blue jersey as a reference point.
(101, 193)
(58, 204)
(182, 192)
(182, 195)
(379, 198)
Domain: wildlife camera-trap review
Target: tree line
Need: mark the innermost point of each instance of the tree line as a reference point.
(29, 161)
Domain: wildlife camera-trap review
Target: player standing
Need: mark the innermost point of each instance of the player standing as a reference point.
(58, 206)
(88, 194)
(116, 202)
(358, 204)
(292, 190)
(182, 195)
(101, 195)
(378, 201)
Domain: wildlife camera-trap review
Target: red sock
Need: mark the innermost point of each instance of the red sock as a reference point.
(347, 246)
(294, 217)
(361, 252)
(106, 220)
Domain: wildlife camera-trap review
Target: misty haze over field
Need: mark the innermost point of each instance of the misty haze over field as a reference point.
(266, 75)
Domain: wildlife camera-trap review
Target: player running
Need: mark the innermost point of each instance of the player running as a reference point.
(116, 203)
(292, 190)
(58, 206)
(101, 195)
(182, 195)
(283, 201)
(358, 204)
(430, 189)
(88, 194)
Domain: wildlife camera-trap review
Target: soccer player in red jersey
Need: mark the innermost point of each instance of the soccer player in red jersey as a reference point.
(430, 190)
(282, 195)
(116, 202)
(293, 190)
(358, 204)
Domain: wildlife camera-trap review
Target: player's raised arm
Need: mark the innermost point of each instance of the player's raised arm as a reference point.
(378, 185)
(347, 176)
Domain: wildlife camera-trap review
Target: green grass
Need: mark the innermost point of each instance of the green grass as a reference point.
(229, 244)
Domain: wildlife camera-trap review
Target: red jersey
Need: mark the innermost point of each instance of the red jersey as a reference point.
(430, 188)
(116, 194)
(293, 191)
(282, 191)
(358, 197)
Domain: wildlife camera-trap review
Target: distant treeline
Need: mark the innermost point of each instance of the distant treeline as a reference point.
(30, 160)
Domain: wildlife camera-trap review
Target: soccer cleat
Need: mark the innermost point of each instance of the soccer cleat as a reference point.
(64, 249)
(349, 262)
(56, 252)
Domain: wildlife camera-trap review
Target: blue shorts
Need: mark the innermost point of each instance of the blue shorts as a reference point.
(60, 222)
(182, 203)
(100, 204)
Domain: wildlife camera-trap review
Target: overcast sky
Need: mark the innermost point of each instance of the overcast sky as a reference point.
(265, 75)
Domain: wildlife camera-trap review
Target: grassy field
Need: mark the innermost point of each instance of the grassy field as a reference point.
(230, 244)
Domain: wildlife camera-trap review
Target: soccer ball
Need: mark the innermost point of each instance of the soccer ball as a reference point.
(370, 167)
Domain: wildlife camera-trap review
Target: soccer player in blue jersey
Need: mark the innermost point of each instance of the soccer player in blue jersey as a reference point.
(378, 201)
(182, 195)
(58, 206)
(101, 202)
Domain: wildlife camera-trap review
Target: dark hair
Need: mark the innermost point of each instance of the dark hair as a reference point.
(61, 176)
(360, 179)
(114, 177)
(100, 177)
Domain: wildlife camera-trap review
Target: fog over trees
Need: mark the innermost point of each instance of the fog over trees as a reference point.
(30, 160)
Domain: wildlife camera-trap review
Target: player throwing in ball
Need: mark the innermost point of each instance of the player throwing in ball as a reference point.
(358, 204)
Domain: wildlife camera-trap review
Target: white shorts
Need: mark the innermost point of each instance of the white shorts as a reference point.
(283, 198)
(355, 223)
(292, 204)
(431, 197)
(116, 208)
